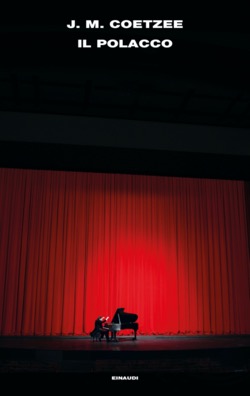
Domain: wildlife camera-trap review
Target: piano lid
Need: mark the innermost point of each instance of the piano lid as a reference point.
(124, 317)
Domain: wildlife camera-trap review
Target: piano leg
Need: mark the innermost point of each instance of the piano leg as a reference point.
(113, 336)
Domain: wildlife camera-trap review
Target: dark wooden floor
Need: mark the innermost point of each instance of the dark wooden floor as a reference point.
(216, 360)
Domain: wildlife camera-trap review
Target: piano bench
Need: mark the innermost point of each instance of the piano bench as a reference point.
(96, 335)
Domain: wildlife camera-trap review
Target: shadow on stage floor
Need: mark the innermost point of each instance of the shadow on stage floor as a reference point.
(217, 361)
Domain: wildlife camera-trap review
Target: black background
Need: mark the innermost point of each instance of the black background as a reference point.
(211, 50)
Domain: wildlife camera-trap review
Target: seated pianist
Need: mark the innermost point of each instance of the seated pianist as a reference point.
(100, 330)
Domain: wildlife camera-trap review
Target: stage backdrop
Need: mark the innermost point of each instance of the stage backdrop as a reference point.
(77, 245)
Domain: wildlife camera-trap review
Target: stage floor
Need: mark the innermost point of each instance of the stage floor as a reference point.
(126, 343)
(149, 357)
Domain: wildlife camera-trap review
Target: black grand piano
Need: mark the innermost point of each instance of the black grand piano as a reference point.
(121, 321)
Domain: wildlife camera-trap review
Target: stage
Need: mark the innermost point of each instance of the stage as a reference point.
(225, 359)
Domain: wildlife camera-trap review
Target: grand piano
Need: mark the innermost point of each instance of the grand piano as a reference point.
(121, 321)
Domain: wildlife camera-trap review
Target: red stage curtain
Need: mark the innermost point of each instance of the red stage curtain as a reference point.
(77, 245)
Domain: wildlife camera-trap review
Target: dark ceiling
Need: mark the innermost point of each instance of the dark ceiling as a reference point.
(204, 79)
